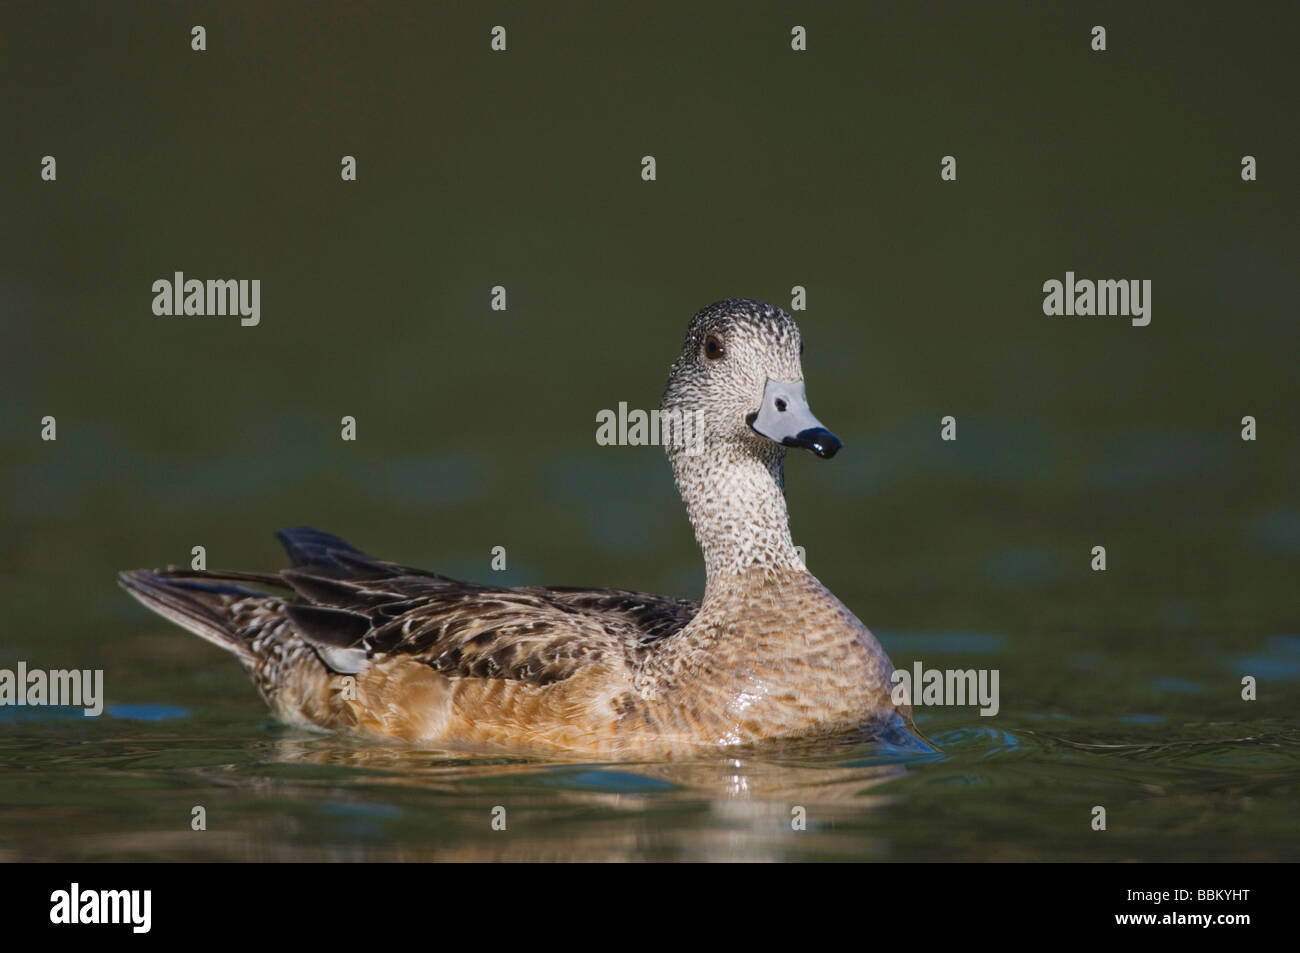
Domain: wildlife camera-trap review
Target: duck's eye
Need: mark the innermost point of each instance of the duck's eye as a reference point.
(713, 347)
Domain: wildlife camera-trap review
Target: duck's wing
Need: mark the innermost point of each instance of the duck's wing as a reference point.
(355, 609)
(651, 617)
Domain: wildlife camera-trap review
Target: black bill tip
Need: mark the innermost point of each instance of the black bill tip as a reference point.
(817, 439)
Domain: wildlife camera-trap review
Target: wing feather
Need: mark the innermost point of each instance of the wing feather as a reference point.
(355, 609)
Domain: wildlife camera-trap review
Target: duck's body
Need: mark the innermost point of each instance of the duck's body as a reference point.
(380, 649)
(359, 644)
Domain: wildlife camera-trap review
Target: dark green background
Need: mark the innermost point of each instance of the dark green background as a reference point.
(476, 428)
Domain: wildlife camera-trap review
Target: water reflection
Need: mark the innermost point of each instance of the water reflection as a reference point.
(272, 793)
(737, 807)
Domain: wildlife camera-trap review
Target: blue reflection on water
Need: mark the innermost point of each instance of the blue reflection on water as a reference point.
(1280, 659)
(619, 782)
(15, 713)
(147, 712)
(991, 740)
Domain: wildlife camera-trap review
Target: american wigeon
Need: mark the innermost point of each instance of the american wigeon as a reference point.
(360, 644)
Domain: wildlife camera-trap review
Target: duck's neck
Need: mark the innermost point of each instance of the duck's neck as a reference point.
(735, 498)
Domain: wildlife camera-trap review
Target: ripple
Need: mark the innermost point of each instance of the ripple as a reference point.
(990, 740)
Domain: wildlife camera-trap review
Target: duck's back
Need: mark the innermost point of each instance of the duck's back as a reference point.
(364, 644)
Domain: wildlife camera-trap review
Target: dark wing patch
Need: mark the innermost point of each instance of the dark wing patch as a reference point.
(325, 627)
(372, 608)
(654, 617)
(329, 591)
(311, 547)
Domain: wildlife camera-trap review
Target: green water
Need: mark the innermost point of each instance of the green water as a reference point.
(476, 428)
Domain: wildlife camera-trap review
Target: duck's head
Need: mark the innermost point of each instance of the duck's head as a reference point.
(739, 372)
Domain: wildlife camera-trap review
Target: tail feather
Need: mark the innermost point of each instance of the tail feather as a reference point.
(312, 547)
(215, 605)
(198, 604)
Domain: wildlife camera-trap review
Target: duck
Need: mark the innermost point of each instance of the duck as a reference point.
(347, 642)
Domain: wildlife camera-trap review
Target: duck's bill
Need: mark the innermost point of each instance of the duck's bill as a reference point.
(784, 418)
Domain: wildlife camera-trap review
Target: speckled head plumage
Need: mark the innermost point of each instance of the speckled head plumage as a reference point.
(740, 369)
(739, 376)
(731, 349)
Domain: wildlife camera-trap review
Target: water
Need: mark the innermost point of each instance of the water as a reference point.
(1180, 779)
(476, 428)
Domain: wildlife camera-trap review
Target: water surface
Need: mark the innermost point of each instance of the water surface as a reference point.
(1119, 689)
